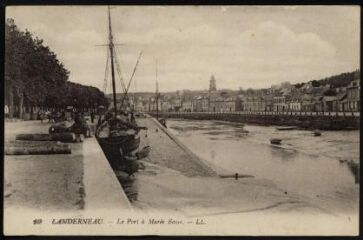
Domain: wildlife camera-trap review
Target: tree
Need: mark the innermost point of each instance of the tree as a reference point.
(32, 71)
(315, 83)
(35, 77)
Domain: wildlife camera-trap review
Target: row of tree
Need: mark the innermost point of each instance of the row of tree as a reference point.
(34, 77)
(336, 81)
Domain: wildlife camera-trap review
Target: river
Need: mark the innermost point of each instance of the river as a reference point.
(302, 163)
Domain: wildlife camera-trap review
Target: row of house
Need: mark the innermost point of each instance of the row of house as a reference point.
(307, 98)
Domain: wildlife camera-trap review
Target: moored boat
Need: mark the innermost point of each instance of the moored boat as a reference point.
(275, 141)
(316, 133)
(117, 131)
(286, 128)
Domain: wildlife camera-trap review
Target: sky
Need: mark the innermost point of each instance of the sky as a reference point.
(242, 46)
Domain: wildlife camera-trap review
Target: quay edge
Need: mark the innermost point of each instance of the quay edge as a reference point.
(316, 121)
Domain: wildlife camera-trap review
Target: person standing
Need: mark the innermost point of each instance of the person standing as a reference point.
(41, 115)
(6, 110)
(92, 117)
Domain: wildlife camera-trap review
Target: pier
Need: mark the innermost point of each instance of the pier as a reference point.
(308, 120)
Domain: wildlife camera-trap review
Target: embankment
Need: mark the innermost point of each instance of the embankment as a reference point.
(324, 121)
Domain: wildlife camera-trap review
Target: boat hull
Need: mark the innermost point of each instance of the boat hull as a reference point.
(275, 141)
(115, 148)
(286, 128)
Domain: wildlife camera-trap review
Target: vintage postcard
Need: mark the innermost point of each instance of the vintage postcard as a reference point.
(182, 120)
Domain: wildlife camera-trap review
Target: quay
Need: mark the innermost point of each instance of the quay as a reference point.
(307, 120)
(82, 180)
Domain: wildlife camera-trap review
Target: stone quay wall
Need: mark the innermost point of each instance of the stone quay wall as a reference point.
(306, 120)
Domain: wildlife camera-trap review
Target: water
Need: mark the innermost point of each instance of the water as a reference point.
(302, 163)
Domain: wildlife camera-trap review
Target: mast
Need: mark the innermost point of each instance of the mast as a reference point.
(157, 90)
(111, 46)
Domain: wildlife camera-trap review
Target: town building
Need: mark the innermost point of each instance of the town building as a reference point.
(294, 102)
(353, 95)
(187, 106)
(330, 103)
(269, 102)
(280, 104)
(221, 104)
(201, 104)
(254, 104)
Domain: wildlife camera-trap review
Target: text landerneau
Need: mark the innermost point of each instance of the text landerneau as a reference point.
(77, 221)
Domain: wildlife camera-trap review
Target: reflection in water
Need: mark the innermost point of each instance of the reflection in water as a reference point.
(302, 162)
(129, 184)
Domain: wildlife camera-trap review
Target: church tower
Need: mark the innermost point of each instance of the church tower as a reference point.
(212, 84)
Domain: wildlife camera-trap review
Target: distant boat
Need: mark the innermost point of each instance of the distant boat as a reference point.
(275, 141)
(162, 121)
(286, 128)
(316, 133)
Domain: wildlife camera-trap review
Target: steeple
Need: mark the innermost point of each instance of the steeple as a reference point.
(212, 84)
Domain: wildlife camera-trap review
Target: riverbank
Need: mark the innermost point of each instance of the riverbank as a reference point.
(312, 120)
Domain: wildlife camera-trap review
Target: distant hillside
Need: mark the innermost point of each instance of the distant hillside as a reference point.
(336, 81)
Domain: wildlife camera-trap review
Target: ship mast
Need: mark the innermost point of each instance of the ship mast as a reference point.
(157, 91)
(111, 46)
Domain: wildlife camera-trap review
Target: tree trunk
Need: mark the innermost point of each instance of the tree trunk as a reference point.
(21, 102)
(11, 102)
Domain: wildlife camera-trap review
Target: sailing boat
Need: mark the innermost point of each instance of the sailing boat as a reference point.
(118, 133)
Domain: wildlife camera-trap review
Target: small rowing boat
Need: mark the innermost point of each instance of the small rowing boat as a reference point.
(275, 141)
(316, 133)
(286, 128)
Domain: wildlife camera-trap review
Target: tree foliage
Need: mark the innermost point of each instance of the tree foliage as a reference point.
(33, 72)
(341, 80)
(330, 92)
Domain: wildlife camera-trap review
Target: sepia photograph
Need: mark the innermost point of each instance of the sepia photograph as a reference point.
(182, 120)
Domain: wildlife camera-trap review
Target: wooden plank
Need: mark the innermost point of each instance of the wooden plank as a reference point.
(63, 137)
(39, 150)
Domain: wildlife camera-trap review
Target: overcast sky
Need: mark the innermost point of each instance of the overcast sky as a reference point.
(242, 46)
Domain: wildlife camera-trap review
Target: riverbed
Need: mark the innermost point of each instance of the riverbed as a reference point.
(307, 165)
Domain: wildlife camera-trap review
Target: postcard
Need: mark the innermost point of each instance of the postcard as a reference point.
(182, 120)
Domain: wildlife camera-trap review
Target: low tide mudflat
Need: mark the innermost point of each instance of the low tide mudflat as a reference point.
(165, 186)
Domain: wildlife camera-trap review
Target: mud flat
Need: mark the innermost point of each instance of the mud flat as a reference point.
(174, 179)
(170, 185)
